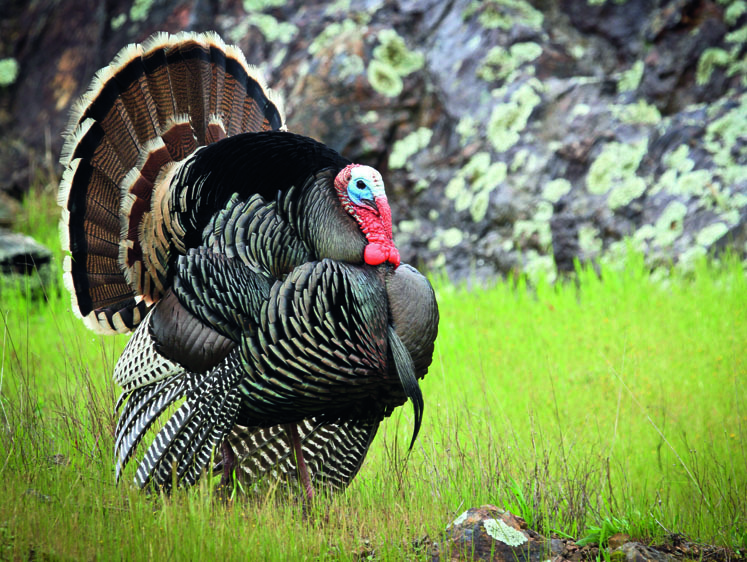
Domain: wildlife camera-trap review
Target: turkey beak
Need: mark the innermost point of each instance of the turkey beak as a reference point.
(371, 203)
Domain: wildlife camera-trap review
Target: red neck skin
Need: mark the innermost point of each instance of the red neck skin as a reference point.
(376, 224)
(378, 230)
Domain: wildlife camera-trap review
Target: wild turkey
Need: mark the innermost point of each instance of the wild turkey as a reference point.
(270, 310)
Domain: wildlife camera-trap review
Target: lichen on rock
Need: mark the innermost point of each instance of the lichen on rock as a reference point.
(509, 118)
(8, 71)
(502, 532)
(391, 62)
(404, 149)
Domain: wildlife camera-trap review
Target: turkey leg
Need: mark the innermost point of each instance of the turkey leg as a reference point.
(303, 472)
(229, 461)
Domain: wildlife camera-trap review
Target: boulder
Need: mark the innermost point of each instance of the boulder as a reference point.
(23, 260)
(488, 533)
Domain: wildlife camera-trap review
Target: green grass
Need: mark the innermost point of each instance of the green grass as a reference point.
(607, 404)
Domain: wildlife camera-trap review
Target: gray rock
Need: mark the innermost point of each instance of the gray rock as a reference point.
(637, 552)
(21, 254)
(488, 533)
(23, 260)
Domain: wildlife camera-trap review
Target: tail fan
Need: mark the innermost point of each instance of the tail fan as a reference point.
(143, 115)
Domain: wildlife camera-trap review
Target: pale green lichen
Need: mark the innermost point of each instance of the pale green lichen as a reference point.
(509, 118)
(438, 263)
(452, 237)
(392, 61)
(589, 241)
(456, 190)
(710, 58)
(639, 112)
(407, 226)
(459, 520)
(535, 231)
(540, 268)
(368, 118)
(448, 238)
(384, 79)
(520, 160)
(272, 29)
(615, 169)
(405, 148)
(502, 532)
(555, 189)
(544, 211)
(479, 206)
(502, 64)
(580, 109)
(630, 79)
(722, 141)
(679, 159)
(686, 260)
(625, 192)
(696, 182)
(140, 9)
(734, 11)
(118, 21)
(338, 6)
(733, 60)
(331, 35)
(711, 233)
(8, 71)
(261, 5)
(470, 188)
(467, 128)
(393, 50)
(668, 227)
(737, 38)
(421, 184)
(644, 233)
(577, 51)
(504, 14)
(616, 254)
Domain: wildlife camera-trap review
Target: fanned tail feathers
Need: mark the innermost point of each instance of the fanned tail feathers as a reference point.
(143, 115)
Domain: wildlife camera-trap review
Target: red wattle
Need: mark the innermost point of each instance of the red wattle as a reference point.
(394, 256)
(376, 254)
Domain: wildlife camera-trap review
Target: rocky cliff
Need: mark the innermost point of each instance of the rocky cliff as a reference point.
(513, 135)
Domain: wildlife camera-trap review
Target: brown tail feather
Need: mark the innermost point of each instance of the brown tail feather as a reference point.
(146, 112)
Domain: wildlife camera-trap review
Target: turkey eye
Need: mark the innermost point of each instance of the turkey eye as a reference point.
(360, 184)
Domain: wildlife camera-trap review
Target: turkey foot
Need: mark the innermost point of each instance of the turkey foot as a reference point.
(303, 472)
